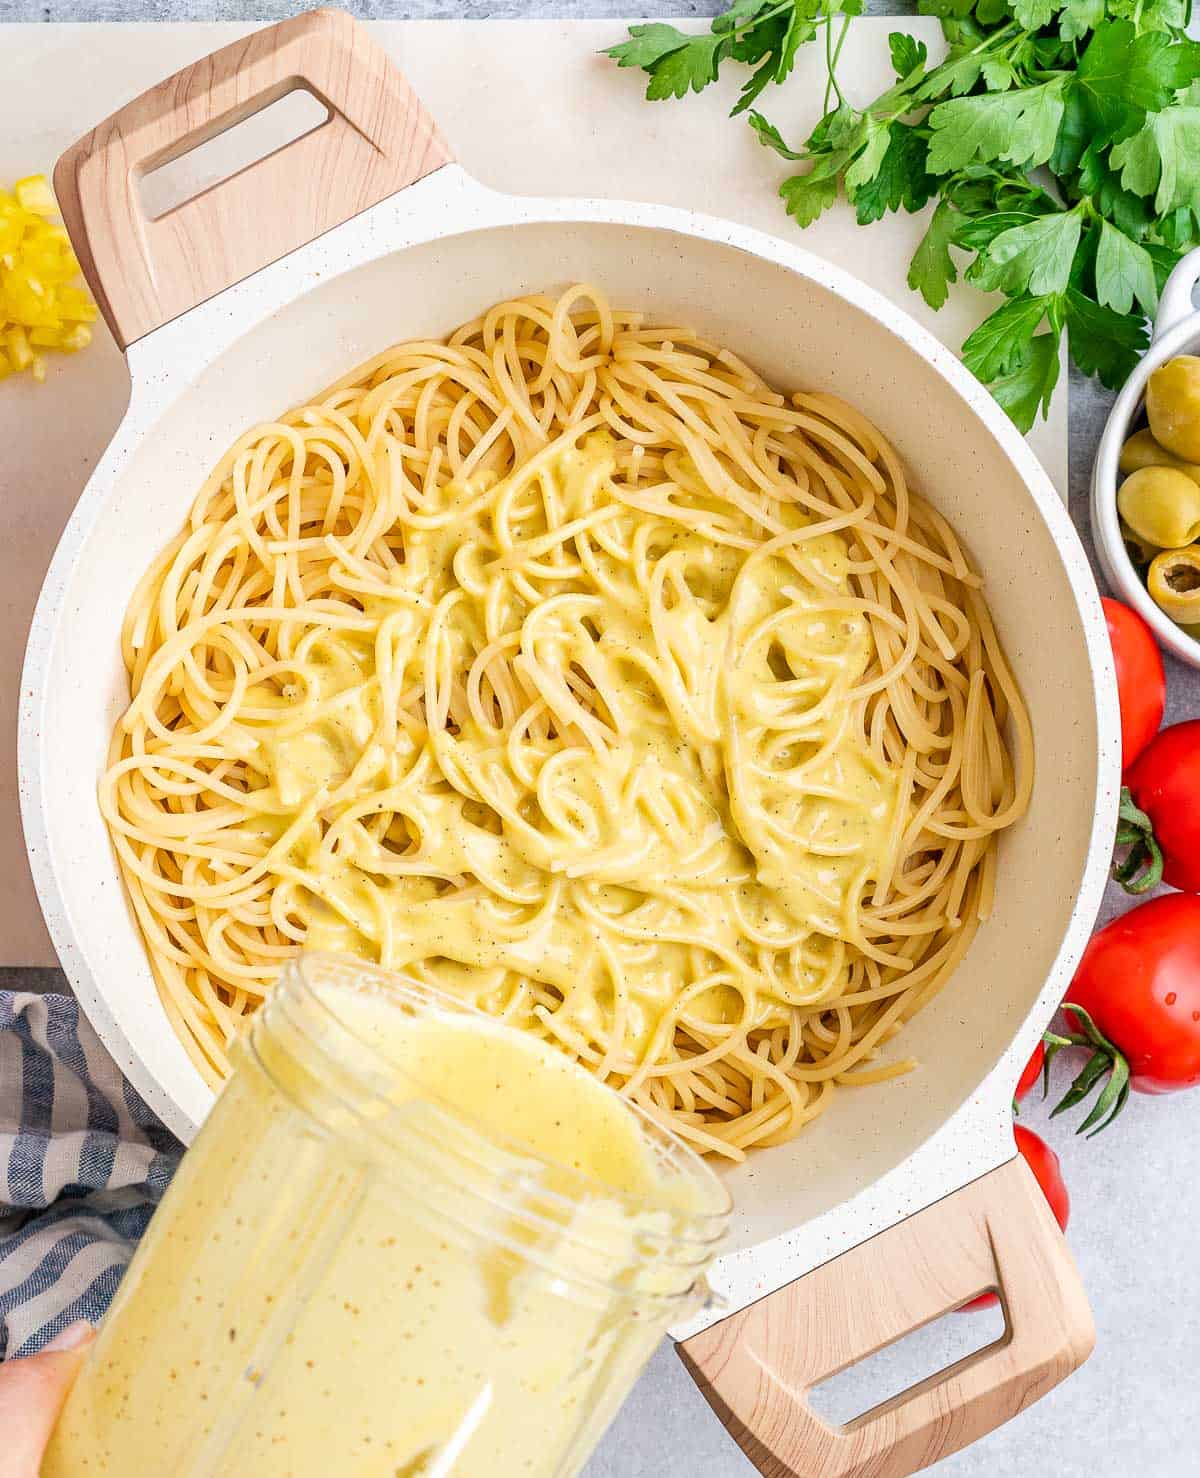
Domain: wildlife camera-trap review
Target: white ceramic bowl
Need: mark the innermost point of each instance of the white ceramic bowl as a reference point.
(1176, 331)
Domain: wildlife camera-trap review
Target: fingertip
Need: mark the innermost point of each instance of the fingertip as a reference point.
(73, 1337)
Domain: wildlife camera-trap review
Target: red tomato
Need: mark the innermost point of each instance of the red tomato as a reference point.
(1032, 1072)
(1139, 980)
(1141, 682)
(1165, 784)
(1044, 1163)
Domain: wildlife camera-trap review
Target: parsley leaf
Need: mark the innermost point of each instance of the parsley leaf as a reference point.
(768, 38)
(998, 74)
(1018, 127)
(868, 160)
(805, 196)
(908, 54)
(770, 137)
(1126, 211)
(1138, 160)
(1035, 257)
(1004, 340)
(1123, 75)
(1124, 272)
(1032, 15)
(932, 269)
(1027, 388)
(1165, 260)
(837, 130)
(676, 63)
(978, 234)
(1103, 343)
(753, 27)
(1120, 206)
(957, 75)
(1181, 229)
(1153, 15)
(1163, 158)
(1074, 132)
(1079, 17)
(691, 68)
(945, 7)
(901, 180)
(648, 44)
(800, 28)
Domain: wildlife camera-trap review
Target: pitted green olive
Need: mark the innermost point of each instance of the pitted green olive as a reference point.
(1174, 584)
(1140, 552)
(1141, 450)
(1161, 506)
(1173, 406)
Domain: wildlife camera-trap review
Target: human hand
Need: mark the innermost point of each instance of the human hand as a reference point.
(32, 1392)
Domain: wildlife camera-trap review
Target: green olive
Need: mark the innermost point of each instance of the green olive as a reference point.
(1141, 450)
(1161, 506)
(1174, 584)
(1173, 406)
(1140, 552)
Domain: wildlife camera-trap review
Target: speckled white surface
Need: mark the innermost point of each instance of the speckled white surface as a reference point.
(1135, 1192)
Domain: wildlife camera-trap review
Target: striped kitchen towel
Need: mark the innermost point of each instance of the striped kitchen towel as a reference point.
(83, 1163)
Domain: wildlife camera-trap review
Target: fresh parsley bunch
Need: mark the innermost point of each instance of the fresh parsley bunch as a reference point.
(1061, 142)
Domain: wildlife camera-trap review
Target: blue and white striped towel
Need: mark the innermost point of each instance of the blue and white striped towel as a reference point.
(83, 1163)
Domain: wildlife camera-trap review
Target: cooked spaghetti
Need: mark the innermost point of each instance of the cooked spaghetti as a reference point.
(568, 666)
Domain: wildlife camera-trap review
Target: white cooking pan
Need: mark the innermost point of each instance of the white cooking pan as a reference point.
(905, 1199)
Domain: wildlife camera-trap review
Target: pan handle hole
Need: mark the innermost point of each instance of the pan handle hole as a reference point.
(202, 161)
(923, 1354)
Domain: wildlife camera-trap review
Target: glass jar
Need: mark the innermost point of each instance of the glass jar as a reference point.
(407, 1241)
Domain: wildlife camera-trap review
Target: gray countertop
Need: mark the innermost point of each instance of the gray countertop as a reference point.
(1135, 1191)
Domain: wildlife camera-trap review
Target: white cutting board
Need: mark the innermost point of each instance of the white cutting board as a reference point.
(528, 107)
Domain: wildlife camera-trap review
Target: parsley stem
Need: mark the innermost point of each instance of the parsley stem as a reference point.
(757, 20)
(831, 59)
(837, 51)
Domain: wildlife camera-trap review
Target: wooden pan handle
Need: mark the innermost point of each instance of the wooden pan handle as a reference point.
(757, 1367)
(378, 139)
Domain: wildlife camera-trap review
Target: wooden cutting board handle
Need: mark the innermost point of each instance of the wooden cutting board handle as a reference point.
(377, 139)
(757, 1367)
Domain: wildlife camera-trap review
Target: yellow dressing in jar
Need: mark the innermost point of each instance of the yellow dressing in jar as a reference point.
(408, 1241)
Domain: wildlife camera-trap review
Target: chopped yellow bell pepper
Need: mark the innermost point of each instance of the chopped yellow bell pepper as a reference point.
(33, 193)
(16, 344)
(41, 304)
(69, 338)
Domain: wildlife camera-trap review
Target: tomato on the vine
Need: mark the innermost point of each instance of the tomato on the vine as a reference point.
(1047, 1170)
(1160, 814)
(1031, 1072)
(1135, 1002)
(1141, 681)
(1139, 981)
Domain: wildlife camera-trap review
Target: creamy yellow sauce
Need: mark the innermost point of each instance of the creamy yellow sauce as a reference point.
(305, 1305)
(705, 787)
